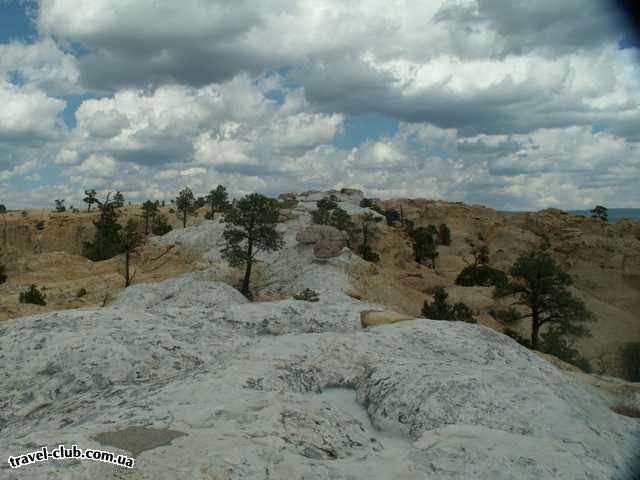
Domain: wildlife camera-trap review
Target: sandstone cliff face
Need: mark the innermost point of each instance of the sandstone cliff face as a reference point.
(603, 260)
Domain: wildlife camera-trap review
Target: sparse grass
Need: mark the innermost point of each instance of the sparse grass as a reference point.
(626, 411)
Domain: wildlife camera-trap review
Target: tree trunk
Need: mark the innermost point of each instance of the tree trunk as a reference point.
(535, 327)
(127, 280)
(212, 210)
(184, 219)
(247, 272)
(146, 223)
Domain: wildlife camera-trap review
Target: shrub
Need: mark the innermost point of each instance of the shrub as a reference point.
(366, 203)
(392, 216)
(630, 354)
(441, 310)
(517, 337)
(444, 234)
(33, 295)
(510, 316)
(368, 254)
(463, 313)
(160, 225)
(554, 342)
(171, 210)
(3, 274)
(340, 219)
(482, 276)
(40, 225)
(81, 293)
(307, 295)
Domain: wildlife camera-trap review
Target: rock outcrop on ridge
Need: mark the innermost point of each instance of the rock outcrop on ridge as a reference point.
(197, 382)
(603, 259)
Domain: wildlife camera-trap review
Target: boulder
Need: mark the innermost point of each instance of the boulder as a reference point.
(370, 318)
(327, 241)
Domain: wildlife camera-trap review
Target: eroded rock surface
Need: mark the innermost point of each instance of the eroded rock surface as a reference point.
(296, 389)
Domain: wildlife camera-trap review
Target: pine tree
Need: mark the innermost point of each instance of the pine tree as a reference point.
(444, 234)
(118, 200)
(218, 200)
(130, 241)
(106, 243)
(424, 245)
(89, 199)
(600, 213)
(250, 230)
(185, 205)
(541, 286)
(149, 211)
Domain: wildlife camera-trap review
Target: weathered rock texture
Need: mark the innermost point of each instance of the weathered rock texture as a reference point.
(603, 259)
(197, 382)
(293, 389)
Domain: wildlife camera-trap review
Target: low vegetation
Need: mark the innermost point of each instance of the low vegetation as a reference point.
(33, 295)
(481, 276)
(307, 295)
(441, 310)
(630, 355)
(160, 225)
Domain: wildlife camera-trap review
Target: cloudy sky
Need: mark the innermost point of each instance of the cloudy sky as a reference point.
(516, 104)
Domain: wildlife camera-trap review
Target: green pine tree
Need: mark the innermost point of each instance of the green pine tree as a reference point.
(250, 230)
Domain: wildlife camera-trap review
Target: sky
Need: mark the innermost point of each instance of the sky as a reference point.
(518, 105)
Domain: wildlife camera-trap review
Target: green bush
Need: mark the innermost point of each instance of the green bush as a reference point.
(368, 254)
(630, 354)
(307, 295)
(444, 234)
(510, 316)
(392, 216)
(517, 337)
(481, 276)
(555, 343)
(33, 295)
(441, 310)
(160, 225)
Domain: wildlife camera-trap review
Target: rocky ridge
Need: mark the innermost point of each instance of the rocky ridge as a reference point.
(199, 383)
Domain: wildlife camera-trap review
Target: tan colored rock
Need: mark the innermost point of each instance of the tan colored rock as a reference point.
(370, 318)
(327, 241)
